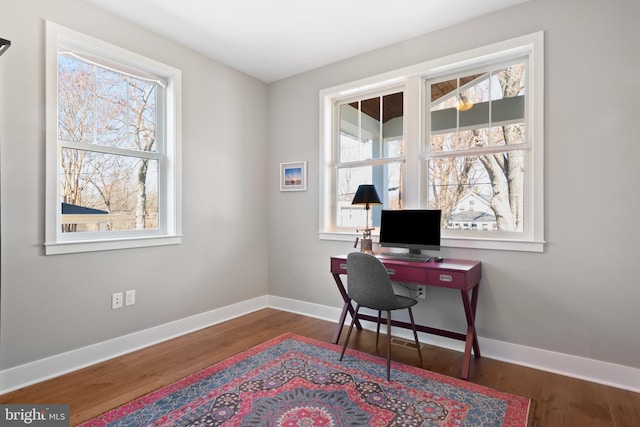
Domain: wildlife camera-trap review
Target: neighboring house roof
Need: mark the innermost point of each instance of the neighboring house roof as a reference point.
(69, 209)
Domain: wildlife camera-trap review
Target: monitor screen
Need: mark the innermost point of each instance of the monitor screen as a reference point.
(413, 229)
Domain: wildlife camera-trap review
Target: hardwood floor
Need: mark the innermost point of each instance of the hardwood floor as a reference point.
(556, 400)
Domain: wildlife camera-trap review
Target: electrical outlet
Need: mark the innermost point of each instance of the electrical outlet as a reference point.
(116, 300)
(421, 291)
(130, 297)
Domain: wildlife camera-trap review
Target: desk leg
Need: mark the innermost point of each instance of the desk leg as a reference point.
(343, 316)
(472, 337)
(347, 307)
(474, 303)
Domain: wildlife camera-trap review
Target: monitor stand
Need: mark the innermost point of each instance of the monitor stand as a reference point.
(417, 255)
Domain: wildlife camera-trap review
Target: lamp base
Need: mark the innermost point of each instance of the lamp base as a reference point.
(366, 245)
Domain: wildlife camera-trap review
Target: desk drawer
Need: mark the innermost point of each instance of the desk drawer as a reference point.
(407, 274)
(447, 279)
(338, 265)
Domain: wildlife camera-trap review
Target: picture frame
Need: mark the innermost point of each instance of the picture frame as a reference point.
(293, 176)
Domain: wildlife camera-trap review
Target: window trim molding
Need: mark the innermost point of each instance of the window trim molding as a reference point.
(170, 228)
(531, 45)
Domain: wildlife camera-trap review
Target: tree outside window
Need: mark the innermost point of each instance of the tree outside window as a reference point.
(107, 127)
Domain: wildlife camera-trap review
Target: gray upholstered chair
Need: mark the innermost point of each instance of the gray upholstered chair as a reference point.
(369, 286)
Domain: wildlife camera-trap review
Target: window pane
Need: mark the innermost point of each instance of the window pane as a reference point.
(388, 181)
(104, 107)
(76, 99)
(479, 110)
(483, 193)
(363, 135)
(106, 192)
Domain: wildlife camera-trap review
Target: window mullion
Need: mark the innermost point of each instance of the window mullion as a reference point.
(109, 150)
(412, 196)
(370, 162)
(475, 151)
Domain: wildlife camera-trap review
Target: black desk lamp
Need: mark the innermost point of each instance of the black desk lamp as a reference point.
(366, 195)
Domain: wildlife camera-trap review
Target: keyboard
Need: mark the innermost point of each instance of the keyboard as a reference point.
(403, 256)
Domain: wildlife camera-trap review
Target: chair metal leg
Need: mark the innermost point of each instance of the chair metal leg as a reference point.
(388, 345)
(415, 334)
(346, 340)
(378, 329)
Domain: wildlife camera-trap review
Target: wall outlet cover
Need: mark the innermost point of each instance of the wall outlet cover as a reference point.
(116, 300)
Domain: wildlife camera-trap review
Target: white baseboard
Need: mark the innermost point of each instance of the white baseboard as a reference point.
(596, 371)
(43, 369)
(624, 377)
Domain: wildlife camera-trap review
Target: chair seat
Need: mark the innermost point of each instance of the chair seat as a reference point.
(400, 302)
(406, 301)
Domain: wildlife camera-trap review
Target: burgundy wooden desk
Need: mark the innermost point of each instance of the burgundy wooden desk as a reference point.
(460, 275)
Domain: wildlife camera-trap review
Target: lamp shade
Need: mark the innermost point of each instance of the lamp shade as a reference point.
(366, 195)
(4, 45)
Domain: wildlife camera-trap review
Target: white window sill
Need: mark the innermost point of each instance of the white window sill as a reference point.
(457, 242)
(107, 245)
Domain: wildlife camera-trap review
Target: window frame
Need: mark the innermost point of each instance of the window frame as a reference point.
(415, 104)
(168, 149)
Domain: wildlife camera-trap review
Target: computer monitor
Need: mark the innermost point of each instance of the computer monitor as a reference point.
(414, 229)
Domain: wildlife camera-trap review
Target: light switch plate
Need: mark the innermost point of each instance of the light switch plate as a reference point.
(130, 297)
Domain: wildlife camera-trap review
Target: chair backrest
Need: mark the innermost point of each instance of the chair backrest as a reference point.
(368, 282)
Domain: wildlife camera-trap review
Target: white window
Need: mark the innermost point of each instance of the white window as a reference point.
(370, 150)
(113, 154)
(463, 134)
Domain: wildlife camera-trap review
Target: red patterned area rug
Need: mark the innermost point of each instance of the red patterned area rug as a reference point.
(296, 381)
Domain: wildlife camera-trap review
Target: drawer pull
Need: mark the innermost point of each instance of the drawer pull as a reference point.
(446, 278)
(391, 271)
(343, 266)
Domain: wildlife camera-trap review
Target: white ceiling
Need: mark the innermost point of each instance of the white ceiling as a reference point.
(274, 39)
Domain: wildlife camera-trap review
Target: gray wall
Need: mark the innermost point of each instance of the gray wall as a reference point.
(578, 297)
(53, 304)
(581, 295)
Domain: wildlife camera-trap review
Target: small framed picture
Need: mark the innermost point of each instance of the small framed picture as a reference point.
(293, 176)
